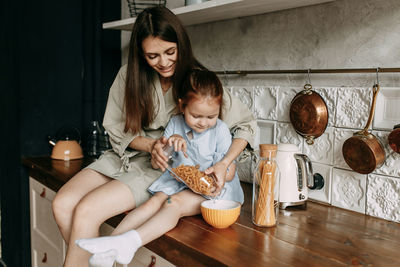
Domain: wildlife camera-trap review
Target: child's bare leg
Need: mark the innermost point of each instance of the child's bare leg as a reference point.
(141, 214)
(184, 203)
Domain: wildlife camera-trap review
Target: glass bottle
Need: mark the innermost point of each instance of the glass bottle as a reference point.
(266, 178)
(93, 139)
(104, 141)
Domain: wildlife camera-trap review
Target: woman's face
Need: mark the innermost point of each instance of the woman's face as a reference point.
(201, 113)
(160, 55)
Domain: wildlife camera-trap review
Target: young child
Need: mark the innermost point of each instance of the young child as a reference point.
(204, 139)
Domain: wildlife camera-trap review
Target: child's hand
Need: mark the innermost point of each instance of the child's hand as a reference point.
(158, 158)
(219, 172)
(178, 142)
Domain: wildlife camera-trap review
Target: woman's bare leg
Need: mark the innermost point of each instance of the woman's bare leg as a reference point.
(69, 196)
(103, 202)
(121, 239)
(141, 214)
(184, 203)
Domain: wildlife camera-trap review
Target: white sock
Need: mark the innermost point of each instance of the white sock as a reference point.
(103, 259)
(125, 244)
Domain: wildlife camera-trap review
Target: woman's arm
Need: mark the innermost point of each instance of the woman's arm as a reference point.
(142, 143)
(241, 122)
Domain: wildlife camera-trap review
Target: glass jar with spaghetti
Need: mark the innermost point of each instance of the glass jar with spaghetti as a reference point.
(266, 178)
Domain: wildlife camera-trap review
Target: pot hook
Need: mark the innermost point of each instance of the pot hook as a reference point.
(377, 76)
(308, 85)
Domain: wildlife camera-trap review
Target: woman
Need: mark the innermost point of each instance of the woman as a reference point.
(141, 101)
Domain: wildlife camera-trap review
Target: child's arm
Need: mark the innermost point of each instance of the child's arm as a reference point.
(230, 172)
(178, 142)
(225, 147)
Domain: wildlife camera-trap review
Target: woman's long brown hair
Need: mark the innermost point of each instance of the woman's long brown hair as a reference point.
(162, 23)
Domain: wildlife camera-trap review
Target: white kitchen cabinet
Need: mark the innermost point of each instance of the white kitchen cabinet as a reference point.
(215, 10)
(47, 246)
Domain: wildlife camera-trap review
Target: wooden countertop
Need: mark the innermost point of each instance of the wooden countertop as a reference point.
(321, 235)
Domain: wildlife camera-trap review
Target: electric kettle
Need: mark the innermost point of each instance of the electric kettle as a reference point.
(296, 176)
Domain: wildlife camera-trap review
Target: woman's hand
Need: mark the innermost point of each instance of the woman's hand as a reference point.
(219, 172)
(158, 159)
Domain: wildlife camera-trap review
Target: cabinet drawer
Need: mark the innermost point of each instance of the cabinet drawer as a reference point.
(45, 254)
(144, 257)
(45, 236)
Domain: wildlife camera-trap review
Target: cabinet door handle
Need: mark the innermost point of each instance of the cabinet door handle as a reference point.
(43, 194)
(44, 260)
(153, 261)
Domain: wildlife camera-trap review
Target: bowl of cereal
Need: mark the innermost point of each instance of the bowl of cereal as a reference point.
(220, 213)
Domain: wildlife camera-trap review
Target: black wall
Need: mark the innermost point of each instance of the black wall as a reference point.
(56, 67)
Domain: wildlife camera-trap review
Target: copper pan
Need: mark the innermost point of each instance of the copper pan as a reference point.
(309, 114)
(394, 138)
(363, 152)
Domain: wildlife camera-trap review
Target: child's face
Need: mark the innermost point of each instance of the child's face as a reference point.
(201, 113)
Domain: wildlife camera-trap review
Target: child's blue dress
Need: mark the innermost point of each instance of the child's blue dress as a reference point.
(206, 149)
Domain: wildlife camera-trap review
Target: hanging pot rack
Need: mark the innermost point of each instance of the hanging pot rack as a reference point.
(294, 71)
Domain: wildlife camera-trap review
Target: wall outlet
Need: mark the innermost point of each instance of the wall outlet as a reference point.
(323, 194)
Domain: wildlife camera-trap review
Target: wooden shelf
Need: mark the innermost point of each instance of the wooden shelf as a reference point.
(215, 10)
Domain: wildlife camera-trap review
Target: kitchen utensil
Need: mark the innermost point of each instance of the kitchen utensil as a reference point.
(309, 114)
(220, 213)
(66, 145)
(394, 138)
(296, 176)
(363, 152)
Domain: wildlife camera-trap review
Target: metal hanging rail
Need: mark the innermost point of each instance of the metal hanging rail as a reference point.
(361, 70)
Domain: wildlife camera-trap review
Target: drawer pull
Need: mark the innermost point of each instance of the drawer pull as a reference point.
(43, 194)
(153, 261)
(44, 260)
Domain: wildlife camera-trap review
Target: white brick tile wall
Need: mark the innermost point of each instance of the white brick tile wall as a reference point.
(376, 194)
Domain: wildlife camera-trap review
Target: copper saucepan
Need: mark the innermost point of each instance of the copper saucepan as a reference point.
(394, 138)
(309, 114)
(363, 152)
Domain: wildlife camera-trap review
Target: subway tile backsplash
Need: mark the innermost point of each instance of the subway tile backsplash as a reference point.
(376, 194)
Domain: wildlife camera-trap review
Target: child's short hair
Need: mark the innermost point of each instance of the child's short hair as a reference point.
(203, 83)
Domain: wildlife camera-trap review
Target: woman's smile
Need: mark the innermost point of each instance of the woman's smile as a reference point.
(160, 55)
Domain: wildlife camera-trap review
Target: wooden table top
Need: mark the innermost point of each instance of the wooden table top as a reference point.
(321, 235)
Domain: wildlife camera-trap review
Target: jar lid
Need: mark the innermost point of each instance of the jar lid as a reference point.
(268, 147)
(267, 150)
